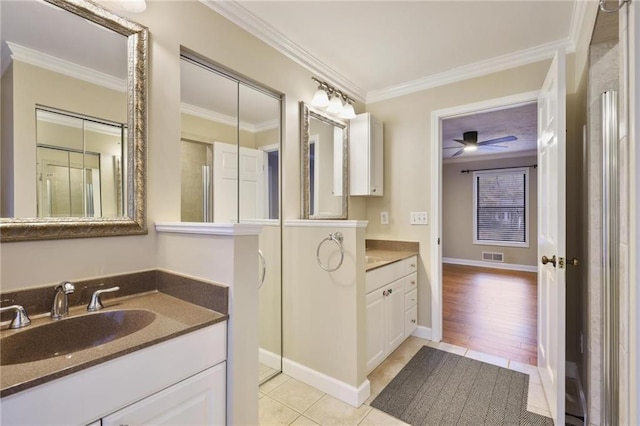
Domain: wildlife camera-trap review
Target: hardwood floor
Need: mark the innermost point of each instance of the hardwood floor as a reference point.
(491, 310)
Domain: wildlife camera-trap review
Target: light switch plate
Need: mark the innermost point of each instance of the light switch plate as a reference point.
(419, 218)
(384, 218)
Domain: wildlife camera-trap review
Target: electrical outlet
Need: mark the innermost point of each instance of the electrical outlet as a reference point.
(419, 218)
(384, 218)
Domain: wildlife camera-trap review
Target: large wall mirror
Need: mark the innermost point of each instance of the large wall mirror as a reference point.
(73, 118)
(230, 173)
(324, 164)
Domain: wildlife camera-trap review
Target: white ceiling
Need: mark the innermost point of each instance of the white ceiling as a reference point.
(380, 49)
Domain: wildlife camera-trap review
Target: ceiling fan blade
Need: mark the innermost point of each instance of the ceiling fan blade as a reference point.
(460, 151)
(498, 140)
(493, 146)
(450, 147)
(460, 141)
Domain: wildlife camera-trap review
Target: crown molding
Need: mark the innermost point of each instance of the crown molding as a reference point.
(228, 120)
(577, 21)
(52, 63)
(236, 13)
(465, 72)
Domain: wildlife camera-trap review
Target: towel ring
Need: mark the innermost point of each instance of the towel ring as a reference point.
(263, 262)
(336, 238)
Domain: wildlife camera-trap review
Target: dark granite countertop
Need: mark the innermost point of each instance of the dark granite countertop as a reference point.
(174, 317)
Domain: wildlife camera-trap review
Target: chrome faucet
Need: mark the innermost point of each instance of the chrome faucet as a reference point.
(60, 306)
(20, 318)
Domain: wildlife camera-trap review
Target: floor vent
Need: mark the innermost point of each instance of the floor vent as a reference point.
(489, 256)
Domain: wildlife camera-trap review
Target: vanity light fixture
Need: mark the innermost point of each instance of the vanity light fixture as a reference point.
(333, 99)
(348, 112)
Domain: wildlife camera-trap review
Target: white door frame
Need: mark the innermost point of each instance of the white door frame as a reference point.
(436, 189)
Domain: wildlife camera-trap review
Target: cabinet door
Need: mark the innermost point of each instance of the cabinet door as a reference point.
(395, 314)
(375, 319)
(198, 400)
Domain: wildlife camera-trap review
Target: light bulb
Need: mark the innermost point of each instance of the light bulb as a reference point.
(335, 105)
(131, 6)
(470, 148)
(348, 112)
(320, 98)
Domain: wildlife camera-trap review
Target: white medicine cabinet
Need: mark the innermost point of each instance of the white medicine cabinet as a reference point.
(366, 156)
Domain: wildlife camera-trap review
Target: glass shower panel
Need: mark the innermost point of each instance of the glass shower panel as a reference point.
(209, 139)
(259, 192)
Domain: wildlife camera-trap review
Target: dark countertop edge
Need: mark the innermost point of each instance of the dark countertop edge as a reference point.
(11, 390)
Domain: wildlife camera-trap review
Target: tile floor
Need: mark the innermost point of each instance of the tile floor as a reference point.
(287, 401)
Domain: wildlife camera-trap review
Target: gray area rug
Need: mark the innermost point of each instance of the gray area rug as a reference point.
(441, 388)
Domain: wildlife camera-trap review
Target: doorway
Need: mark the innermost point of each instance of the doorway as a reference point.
(489, 244)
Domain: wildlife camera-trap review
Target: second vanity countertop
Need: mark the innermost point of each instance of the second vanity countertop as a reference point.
(174, 317)
(385, 252)
(387, 256)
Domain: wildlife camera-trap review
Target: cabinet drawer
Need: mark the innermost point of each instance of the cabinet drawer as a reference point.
(411, 321)
(410, 299)
(411, 283)
(384, 275)
(410, 265)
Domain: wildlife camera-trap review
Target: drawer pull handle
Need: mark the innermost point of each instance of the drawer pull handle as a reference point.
(413, 265)
(413, 321)
(413, 283)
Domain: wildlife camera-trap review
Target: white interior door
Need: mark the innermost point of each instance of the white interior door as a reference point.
(225, 183)
(551, 236)
(252, 184)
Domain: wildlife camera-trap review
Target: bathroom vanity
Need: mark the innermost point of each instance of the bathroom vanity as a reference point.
(391, 300)
(159, 357)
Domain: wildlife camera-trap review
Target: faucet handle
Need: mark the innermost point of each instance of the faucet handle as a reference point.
(21, 319)
(96, 304)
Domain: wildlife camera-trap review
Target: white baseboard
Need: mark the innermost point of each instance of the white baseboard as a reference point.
(334, 387)
(269, 359)
(422, 332)
(495, 265)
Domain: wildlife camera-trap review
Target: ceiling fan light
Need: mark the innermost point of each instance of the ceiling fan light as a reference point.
(348, 112)
(320, 98)
(335, 105)
(470, 148)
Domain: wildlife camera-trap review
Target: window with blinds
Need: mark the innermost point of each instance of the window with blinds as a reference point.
(501, 207)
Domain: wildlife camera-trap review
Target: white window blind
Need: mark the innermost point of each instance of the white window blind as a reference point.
(501, 207)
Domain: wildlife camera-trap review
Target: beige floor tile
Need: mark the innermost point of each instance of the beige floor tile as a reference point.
(296, 395)
(304, 421)
(489, 359)
(380, 418)
(273, 383)
(331, 411)
(265, 374)
(536, 398)
(382, 376)
(531, 370)
(273, 413)
(447, 347)
(540, 411)
(408, 349)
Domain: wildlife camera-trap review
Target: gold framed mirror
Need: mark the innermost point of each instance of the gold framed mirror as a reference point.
(325, 143)
(94, 60)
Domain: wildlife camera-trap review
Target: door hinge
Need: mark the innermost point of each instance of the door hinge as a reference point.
(561, 262)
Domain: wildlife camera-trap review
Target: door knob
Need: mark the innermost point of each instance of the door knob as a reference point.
(573, 262)
(546, 260)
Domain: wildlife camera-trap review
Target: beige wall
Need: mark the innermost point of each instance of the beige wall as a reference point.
(458, 210)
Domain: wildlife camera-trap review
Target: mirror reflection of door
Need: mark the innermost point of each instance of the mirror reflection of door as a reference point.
(325, 168)
(230, 145)
(78, 166)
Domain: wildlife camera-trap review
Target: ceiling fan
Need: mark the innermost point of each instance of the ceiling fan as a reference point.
(470, 143)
